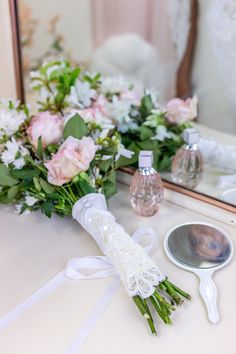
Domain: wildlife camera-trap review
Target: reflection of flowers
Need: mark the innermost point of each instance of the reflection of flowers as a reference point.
(179, 111)
(81, 95)
(28, 24)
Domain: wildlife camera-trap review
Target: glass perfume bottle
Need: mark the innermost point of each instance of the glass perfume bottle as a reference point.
(187, 164)
(146, 189)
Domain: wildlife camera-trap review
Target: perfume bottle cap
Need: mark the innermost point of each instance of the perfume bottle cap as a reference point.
(191, 136)
(145, 159)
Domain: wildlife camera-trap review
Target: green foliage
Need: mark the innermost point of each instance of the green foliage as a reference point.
(40, 148)
(46, 187)
(145, 133)
(6, 179)
(26, 173)
(109, 185)
(75, 127)
(146, 106)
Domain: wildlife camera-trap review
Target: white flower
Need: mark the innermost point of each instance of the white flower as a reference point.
(153, 94)
(18, 208)
(10, 119)
(119, 111)
(162, 133)
(29, 200)
(14, 153)
(81, 95)
(122, 151)
(113, 85)
(106, 157)
(104, 134)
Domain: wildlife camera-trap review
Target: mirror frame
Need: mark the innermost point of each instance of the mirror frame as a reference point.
(183, 89)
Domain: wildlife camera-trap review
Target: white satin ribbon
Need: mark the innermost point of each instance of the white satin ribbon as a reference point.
(90, 267)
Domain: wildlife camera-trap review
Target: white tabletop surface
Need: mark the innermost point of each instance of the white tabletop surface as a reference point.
(33, 249)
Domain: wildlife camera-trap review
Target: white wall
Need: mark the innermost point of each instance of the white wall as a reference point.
(7, 73)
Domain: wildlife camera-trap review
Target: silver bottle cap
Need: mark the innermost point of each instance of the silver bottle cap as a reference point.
(145, 159)
(191, 136)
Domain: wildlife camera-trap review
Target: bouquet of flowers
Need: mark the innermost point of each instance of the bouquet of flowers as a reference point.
(63, 160)
(144, 124)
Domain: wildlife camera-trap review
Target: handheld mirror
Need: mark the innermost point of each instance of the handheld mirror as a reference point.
(203, 249)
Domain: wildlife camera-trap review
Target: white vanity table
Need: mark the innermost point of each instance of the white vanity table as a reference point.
(33, 249)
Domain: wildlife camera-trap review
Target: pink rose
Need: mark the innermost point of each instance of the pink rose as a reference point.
(179, 111)
(74, 156)
(49, 127)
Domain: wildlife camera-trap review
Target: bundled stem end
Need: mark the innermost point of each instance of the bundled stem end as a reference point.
(160, 304)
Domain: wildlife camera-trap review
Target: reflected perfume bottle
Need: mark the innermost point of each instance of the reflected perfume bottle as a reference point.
(187, 164)
(146, 189)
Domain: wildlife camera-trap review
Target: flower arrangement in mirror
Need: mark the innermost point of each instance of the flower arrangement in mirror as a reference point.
(63, 160)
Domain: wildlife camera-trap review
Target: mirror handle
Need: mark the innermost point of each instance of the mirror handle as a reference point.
(208, 293)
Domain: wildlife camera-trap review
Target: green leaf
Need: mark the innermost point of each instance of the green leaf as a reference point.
(109, 185)
(6, 179)
(48, 188)
(85, 186)
(37, 184)
(146, 145)
(75, 127)
(25, 173)
(74, 75)
(165, 163)
(40, 148)
(145, 133)
(146, 106)
(105, 165)
(12, 193)
(47, 208)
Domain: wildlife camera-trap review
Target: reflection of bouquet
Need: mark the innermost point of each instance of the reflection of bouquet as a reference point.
(66, 165)
(142, 122)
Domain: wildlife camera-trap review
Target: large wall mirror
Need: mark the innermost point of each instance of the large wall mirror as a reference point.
(176, 47)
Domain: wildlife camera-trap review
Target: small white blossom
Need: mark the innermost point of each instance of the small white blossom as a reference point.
(29, 200)
(104, 134)
(106, 157)
(153, 94)
(120, 112)
(113, 85)
(81, 95)
(10, 119)
(162, 133)
(14, 153)
(122, 151)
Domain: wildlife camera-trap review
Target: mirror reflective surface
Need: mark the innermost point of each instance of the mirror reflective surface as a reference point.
(201, 249)
(199, 246)
(148, 44)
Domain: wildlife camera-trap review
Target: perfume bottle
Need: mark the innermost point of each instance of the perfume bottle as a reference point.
(146, 189)
(187, 164)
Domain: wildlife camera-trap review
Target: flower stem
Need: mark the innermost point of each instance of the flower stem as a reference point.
(141, 306)
(161, 305)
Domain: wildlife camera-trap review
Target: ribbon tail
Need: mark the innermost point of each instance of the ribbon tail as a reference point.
(32, 300)
(94, 316)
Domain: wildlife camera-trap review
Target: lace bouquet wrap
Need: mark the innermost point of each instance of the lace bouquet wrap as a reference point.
(139, 274)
